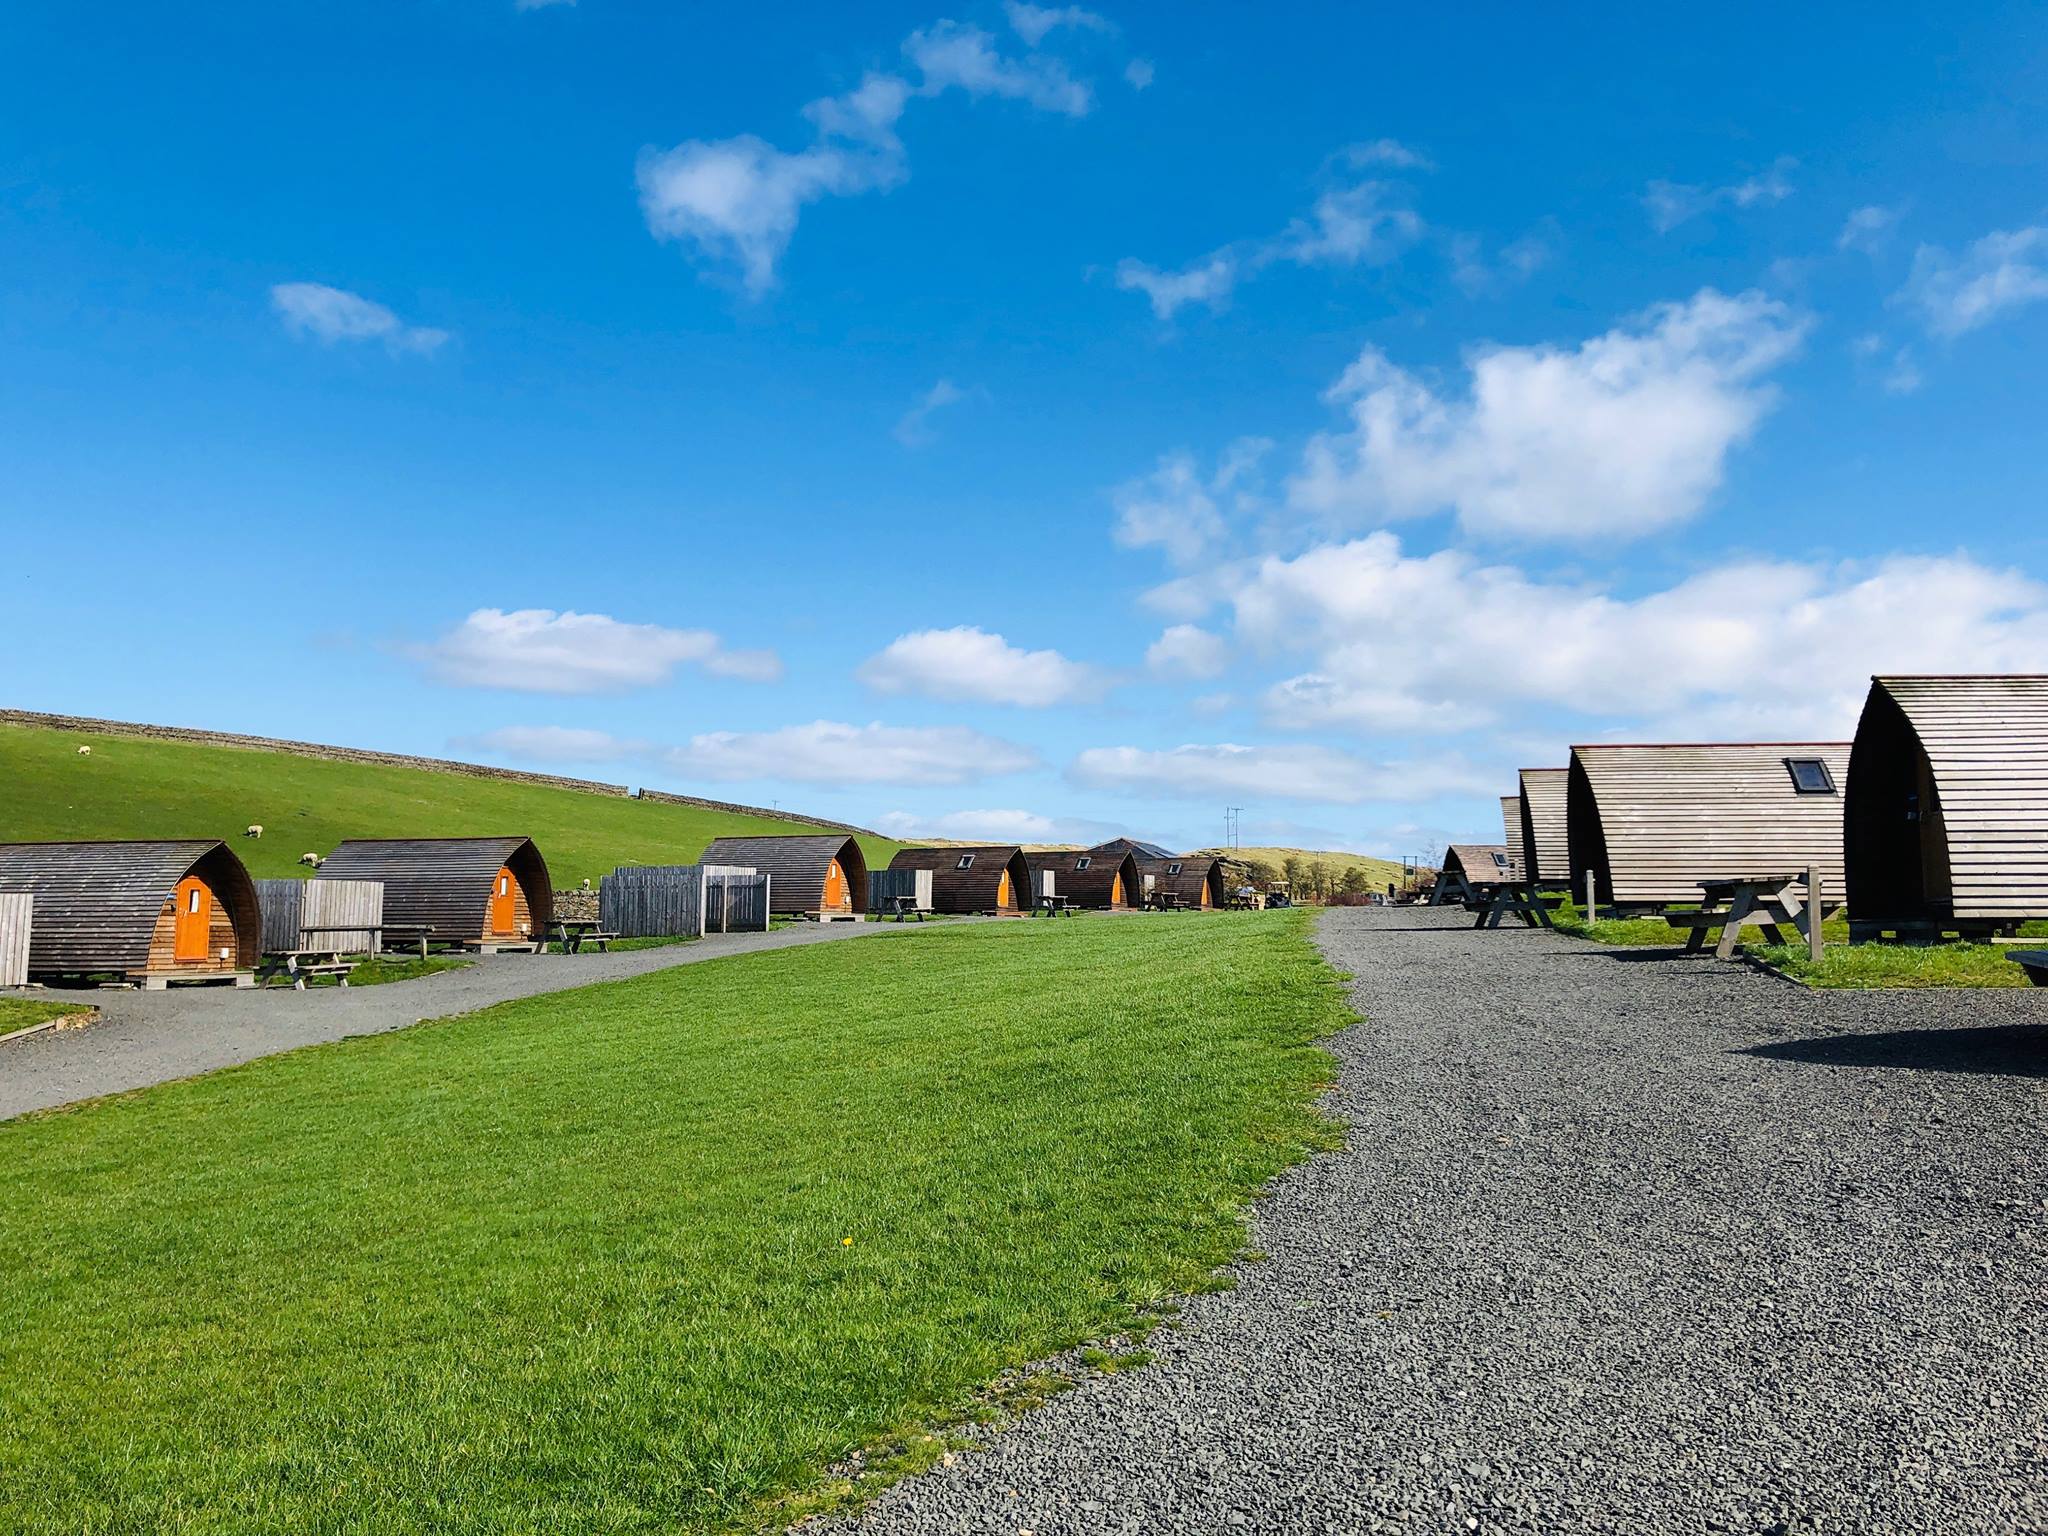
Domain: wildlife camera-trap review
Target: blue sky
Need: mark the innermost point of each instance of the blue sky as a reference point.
(1002, 421)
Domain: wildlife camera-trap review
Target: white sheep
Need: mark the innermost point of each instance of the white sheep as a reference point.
(85, 751)
(254, 829)
(310, 860)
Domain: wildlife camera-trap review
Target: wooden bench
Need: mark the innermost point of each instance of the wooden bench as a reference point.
(2033, 961)
(573, 933)
(295, 965)
(1771, 903)
(903, 908)
(1520, 897)
(1053, 906)
(419, 938)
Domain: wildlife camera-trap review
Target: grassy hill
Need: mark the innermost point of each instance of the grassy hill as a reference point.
(134, 787)
(1379, 873)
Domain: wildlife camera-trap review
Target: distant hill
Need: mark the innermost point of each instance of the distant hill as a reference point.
(1379, 873)
(143, 786)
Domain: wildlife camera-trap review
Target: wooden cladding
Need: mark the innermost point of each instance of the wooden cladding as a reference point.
(801, 869)
(1546, 843)
(1511, 824)
(1093, 877)
(1479, 863)
(451, 884)
(117, 907)
(982, 879)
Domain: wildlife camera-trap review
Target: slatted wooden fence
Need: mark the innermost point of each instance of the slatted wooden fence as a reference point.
(884, 885)
(683, 901)
(290, 907)
(16, 914)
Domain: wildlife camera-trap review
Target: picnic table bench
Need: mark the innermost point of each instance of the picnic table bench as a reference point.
(295, 965)
(1166, 901)
(1771, 903)
(415, 937)
(2033, 961)
(1053, 906)
(1494, 900)
(572, 933)
(903, 908)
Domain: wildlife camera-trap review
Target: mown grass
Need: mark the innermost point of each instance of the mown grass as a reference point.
(22, 1012)
(134, 787)
(646, 1256)
(380, 971)
(1896, 965)
(1654, 932)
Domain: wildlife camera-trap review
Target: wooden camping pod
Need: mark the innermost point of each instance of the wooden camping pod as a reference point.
(1511, 824)
(1546, 846)
(149, 911)
(1091, 877)
(471, 890)
(1197, 878)
(1947, 812)
(1652, 821)
(1478, 863)
(807, 873)
(982, 879)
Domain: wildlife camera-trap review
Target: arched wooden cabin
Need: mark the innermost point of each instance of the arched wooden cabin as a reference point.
(990, 879)
(1947, 810)
(1467, 866)
(1197, 878)
(809, 874)
(469, 890)
(1546, 846)
(1652, 821)
(1511, 825)
(1093, 877)
(148, 912)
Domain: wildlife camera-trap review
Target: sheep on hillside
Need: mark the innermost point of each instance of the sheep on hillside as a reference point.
(254, 829)
(310, 860)
(85, 751)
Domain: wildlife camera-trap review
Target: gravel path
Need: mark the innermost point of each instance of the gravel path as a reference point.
(1621, 1243)
(152, 1037)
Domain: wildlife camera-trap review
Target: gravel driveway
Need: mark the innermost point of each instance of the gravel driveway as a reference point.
(152, 1037)
(1620, 1243)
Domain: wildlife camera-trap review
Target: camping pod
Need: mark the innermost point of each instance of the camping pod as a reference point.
(149, 912)
(1546, 846)
(1468, 866)
(1195, 878)
(1651, 822)
(990, 879)
(482, 891)
(1946, 825)
(809, 874)
(1511, 824)
(1091, 877)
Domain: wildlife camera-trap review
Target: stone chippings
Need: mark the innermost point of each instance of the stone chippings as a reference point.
(1619, 1244)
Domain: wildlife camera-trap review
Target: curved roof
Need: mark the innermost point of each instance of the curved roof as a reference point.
(1195, 871)
(796, 866)
(96, 904)
(1511, 825)
(1544, 841)
(1652, 821)
(444, 882)
(1479, 862)
(1983, 741)
(974, 888)
(1094, 885)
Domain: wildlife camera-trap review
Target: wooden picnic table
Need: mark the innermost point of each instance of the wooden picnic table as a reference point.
(1771, 903)
(1494, 900)
(1053, 906)
(297, 964)
(904, 908)
(2033, 961)
(408, 937)
(1167, 901)
(572, 933)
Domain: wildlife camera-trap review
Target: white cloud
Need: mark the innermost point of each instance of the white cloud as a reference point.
(1672, 204)
(554, 744)
(334, 314)
(1515, 262)
(2006, 269)
(833, 752)
(1349, 226)
(914, 430)
(1386, 152)
(970, 665)
(1033, 22)
(1139, 73)
(998, 826)
(538, 5)
(537, 650)
(737, 201)
(1188, 650)
(1624, 435)
(1867, 228)
(1209, 281)
(1286, 772)
(1706, 655)
(1177, 508)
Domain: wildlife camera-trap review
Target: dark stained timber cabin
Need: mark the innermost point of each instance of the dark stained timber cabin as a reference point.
(1947, 810)
(966, 880)
(1196, 879)
(1511, 826)
(478, 892)
(809, 874)
(1468, 866)
(1546, 845)
(148, 912)
(1092, 877)
(1652, 821)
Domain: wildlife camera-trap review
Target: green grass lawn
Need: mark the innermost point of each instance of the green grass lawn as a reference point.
(1654, 932)
(377, 972)
(21, 1012)
(1896, 965)
(647, 1256)
(132, 787)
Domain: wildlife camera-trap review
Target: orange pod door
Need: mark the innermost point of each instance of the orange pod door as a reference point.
(1116, 890)
(837, 897)
(504, 908)
(1006, 892)
(194, 920)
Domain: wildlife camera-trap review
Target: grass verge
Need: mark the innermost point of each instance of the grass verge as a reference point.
(24, 1013)
(647, 1256)
(1655, 933)
(1896, 965)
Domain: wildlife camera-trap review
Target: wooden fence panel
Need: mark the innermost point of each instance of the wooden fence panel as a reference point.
(736, 903)
(17, 913)
(344, 904)
(281, 901)
(886, 884)
(650, 903)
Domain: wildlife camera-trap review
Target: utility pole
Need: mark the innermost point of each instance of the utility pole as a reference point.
(1230, 815)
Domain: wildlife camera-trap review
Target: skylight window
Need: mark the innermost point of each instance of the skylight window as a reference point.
(1173, 869)
(1081, 863)
(966, 861)
(1810, 776)
(1500, 861)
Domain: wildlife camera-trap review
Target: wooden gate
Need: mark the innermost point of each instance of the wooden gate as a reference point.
(347, 915)
(16, 914)
(682, 901)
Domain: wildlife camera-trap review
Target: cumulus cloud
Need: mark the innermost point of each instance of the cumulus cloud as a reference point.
(2005, 270)
(1139, 73)
(1867, 228)
(1672, 203)
(1286, 772)
(1034, 22)
(1621, 436)
(1476, 272)
(914, 430)
(334, 314)
(969, 665)
(833, 752)
(1179, 509)
(1704, 655)
(554, 744)
(736, 202)
(1352, 223)
(997, 826)
(537, 650)
(1188, 650)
